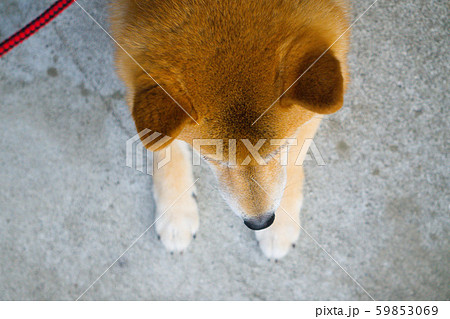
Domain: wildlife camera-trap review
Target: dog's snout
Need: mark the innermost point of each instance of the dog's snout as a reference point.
(260, 222)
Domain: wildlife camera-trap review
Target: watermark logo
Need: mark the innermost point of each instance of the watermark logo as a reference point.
(306, 150)
(141, 159)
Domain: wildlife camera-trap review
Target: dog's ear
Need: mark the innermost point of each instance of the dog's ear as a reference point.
(154, 111)
(320, 84)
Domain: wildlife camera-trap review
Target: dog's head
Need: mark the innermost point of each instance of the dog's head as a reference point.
(242, 92)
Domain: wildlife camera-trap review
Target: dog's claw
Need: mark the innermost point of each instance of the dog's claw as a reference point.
(194, 236)
(178, 224)
(293, 245)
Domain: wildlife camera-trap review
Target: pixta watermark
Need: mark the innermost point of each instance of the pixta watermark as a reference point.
(141, 159)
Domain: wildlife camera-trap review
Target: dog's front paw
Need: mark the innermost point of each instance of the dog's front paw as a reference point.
(276, 241)
(177, 226)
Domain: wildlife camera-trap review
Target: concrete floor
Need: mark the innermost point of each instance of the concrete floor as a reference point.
(69, 206)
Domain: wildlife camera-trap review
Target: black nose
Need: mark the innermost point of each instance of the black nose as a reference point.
(260, 222)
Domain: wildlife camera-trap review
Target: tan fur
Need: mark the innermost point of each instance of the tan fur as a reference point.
(225, 62)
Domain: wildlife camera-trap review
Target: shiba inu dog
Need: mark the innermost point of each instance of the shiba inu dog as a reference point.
(241, 72)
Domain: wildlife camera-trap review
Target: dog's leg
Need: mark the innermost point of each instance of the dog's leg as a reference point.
(276, 240)
(176, 206)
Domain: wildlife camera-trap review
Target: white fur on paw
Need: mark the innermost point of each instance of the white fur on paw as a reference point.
(177, 226)
(276, 241)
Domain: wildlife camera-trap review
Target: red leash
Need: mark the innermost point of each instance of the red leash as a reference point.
(32, 27)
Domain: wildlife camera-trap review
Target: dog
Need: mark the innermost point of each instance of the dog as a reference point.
(240, 72)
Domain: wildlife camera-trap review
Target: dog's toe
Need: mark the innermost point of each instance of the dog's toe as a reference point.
(176, 237)
(275, 243)
(177, 227)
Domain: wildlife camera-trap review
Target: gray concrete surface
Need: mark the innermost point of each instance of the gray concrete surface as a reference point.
(69, 206)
